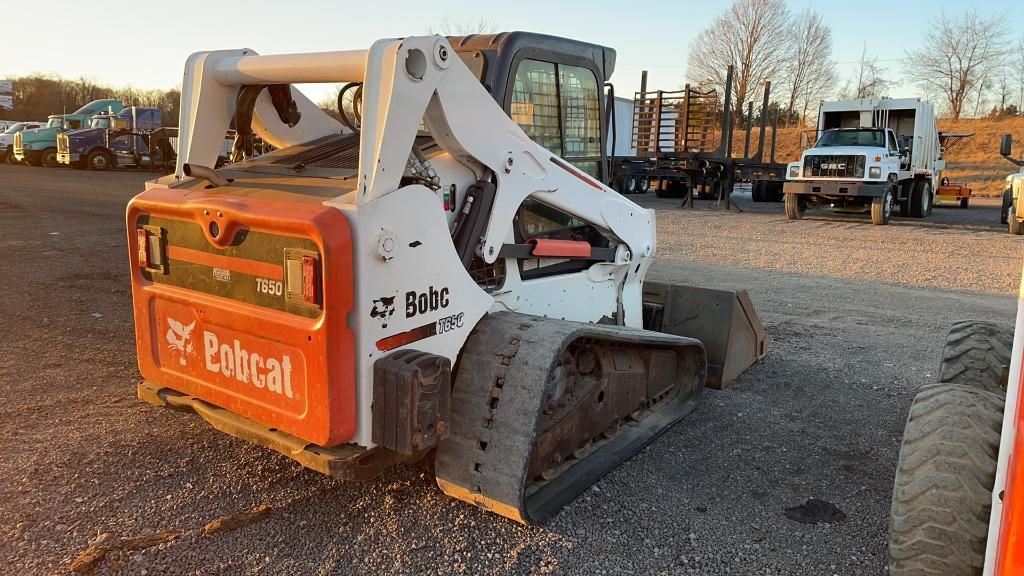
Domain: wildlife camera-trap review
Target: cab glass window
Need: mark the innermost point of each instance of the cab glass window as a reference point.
(72, 124)
(559, 107)
(535, 103)
(581, 117)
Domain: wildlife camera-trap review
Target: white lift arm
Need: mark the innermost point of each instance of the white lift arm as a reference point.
(406, 81)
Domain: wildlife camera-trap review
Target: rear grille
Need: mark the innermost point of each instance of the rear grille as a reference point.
(834, 166)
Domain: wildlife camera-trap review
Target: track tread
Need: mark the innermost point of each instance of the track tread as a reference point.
(485, 460)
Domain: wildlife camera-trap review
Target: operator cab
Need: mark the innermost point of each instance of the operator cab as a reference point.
(550, 86)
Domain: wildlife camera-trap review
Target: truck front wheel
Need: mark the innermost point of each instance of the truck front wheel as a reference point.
(794, 211)
(1004, 215)
(48, 158)
(98, 160)
(881, 208)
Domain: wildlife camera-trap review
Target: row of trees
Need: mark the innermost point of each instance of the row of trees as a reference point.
(38, 96)
(963, 63)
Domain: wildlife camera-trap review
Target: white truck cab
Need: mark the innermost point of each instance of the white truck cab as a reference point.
(10, 128)
(870, 155)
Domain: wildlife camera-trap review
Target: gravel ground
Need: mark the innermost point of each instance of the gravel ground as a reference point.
(856, 316)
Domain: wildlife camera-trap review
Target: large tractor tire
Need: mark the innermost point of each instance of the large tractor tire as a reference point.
(794, 211)
(942, 494)
(977, 354)
(881, 208)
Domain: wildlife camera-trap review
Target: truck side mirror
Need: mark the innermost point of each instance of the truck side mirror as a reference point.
(1006, 145)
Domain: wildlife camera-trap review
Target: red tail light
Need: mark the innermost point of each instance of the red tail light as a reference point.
(309, 280)
(142, 241)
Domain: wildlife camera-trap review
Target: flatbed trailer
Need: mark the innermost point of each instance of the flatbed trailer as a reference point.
(683, 147)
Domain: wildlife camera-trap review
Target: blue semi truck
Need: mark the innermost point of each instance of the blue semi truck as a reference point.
(39, 147)
(133, 137)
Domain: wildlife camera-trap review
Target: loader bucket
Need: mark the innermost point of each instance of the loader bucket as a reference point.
(724, 320)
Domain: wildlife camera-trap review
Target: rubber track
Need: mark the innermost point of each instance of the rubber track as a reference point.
(942, 492)
(977, 354)
(497, 404)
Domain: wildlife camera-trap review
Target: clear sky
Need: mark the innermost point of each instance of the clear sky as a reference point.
(39, 38)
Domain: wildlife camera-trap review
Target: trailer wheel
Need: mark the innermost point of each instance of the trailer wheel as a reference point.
(977, 354)
(942, 494)
(627, 184)
(906, 192)
(881, 208)
(644, 185)
(794, 211)
(757, 191)
(98, 160)
(965, 202)
(48, 158)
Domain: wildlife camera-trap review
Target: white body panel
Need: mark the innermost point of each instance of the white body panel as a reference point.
(623, 129)
(1007, 436)
(405, 82)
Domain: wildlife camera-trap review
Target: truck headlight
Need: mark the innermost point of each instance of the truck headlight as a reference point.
(794, 171)
(875, 172)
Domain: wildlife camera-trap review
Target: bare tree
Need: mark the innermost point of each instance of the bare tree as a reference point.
(453, 27)
(753, 37)
(810, 70)
(868, 79)
(957, 56)
(1017, 70)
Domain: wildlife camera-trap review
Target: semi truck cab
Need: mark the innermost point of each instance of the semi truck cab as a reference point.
(865, 159)
(113, 139)
(39, 147)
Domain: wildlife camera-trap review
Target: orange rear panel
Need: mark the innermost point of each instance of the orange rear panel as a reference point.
(214, 317)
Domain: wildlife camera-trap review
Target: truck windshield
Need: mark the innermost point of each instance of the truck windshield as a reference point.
(54, 122)
(100, 123)
(864, 137)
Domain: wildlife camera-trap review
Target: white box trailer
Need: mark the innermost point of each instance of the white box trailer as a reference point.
(623, 130)
(871, 154)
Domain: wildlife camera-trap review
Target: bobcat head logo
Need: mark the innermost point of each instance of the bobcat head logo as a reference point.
(383, 309)
(179, 339)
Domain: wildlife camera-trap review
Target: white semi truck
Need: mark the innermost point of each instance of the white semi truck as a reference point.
(871, 155)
